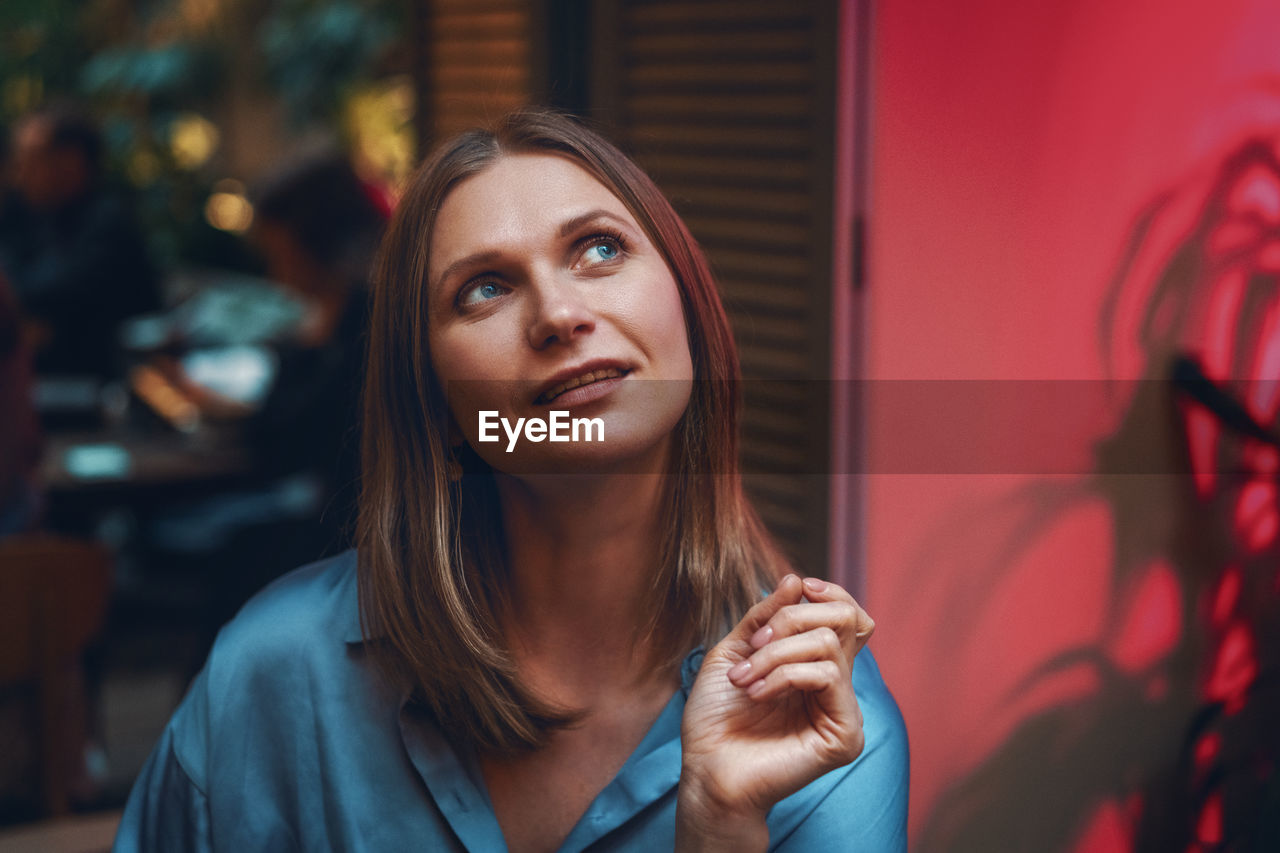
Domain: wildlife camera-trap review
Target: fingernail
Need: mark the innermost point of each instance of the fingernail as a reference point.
(761, 637)
(740, 670)
(788, 576)
(756, 688)
(815, 584)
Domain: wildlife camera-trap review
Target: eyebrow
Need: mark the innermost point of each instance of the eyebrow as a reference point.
(571, 225)
(470, 260)
(566, 228)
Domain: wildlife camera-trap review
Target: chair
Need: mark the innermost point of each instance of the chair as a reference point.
(54, 594)
(76, 834)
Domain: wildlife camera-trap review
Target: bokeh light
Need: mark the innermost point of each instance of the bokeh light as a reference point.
(227, 208)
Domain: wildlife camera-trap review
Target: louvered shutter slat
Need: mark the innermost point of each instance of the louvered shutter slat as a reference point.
(722, 102)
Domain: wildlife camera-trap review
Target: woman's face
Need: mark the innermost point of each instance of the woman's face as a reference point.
(546, 296)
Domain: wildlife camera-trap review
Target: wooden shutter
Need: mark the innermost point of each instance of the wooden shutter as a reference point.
(478, 63)
(730, 106)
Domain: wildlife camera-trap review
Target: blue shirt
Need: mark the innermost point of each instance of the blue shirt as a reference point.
(290, 740)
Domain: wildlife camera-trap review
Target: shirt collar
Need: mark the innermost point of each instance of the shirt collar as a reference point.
(451, 773)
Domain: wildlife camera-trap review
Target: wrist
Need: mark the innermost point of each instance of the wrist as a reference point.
(706, 821)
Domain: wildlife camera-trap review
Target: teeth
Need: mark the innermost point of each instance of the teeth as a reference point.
(584, 379)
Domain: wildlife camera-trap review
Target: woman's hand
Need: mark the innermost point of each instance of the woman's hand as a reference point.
(772, 709)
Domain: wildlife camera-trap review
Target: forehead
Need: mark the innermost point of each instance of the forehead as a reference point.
(518, 197)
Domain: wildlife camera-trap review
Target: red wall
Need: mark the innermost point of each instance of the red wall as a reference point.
(1015, 148)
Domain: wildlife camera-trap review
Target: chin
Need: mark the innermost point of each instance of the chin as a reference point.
(624, 451)
(638, 430)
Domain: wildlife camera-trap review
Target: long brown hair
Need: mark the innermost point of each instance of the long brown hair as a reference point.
(432, 569)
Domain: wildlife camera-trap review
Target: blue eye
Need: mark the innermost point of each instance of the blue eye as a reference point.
(601, 250)
(605, 251)
(482, 292)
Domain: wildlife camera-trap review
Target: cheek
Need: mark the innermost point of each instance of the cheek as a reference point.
(463, 366)
(665, 320)
(671, 395)
(678, 342)
(452, 359)
(463, 416)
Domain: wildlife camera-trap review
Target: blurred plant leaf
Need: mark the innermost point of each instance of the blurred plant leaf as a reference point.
(314, 52)
(40, 40)
(174, 73)
(142, 65)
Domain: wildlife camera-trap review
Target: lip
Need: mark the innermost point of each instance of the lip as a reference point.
(582, 393)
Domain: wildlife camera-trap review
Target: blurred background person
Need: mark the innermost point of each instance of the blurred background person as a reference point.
(19, 430)
(317, 226)
(145, 211)
(70, 245)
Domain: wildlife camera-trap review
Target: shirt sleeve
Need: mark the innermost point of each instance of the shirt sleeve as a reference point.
(861, 807)
(167, 810)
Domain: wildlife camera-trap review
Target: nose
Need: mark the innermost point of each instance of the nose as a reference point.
(559, 312)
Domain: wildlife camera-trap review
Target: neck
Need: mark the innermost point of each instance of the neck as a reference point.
(582, 554)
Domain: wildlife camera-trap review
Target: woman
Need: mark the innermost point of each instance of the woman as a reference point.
(525, 664)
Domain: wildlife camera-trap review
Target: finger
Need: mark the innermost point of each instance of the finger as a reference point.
(818, 590)
(824, 679)
(817, 676)
(788, 591)
(830, 688)
(819, 644)
(850, 622)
